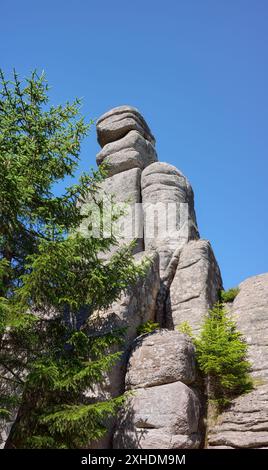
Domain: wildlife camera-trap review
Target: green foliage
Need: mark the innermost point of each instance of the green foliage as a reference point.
(54, 412)
(147, 327)
(49, 272)
(185, 327)
(221, 353)
(39, 145)
(229, 295)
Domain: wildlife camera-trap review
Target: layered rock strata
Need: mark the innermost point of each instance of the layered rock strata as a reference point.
(117, 122)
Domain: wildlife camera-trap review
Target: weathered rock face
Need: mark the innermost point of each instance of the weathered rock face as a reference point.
(195, 286)
(117, 122)
(162, 412)
(134, 307)
(160, 358)
(245, 424)
(250, 308)
(132, 151)
(168, 205)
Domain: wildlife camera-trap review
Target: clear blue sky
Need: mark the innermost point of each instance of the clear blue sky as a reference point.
(196, 69)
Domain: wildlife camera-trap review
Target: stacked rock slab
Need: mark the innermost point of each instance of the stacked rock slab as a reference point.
(163, 410)
(117, 122)
(128, 147)
(245, 423)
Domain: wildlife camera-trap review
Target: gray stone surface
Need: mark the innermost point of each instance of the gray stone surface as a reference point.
(117, 122)
(250, 308)
(131, 151)
(168, 201)
(155, 439)
(160, 417)
(159, 358)
(195, 286)
(161, 412)
(245, 424)
(125, 190)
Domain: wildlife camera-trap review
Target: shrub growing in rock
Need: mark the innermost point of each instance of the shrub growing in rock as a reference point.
(147, 327)
(221, 353)
(229, 295)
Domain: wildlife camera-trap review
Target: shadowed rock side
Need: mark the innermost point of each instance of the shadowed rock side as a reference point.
(245, 424)
(134, 307)
(163, 410)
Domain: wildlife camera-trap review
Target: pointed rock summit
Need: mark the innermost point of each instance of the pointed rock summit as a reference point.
(117, 122)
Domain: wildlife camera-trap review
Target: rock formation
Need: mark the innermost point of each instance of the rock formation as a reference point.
(166, 408)
(165, 396)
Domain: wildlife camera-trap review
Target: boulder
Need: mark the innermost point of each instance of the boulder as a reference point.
(117, 122)
(160, 417)
(161, 412)
(160, 358)
(195, 286)
(131, 151)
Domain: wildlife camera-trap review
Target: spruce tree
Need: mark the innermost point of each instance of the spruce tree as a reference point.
(221, 353)
(48, 272)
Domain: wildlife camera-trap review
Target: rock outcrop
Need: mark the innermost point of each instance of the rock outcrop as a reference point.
(135, 307)
(245, 423)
